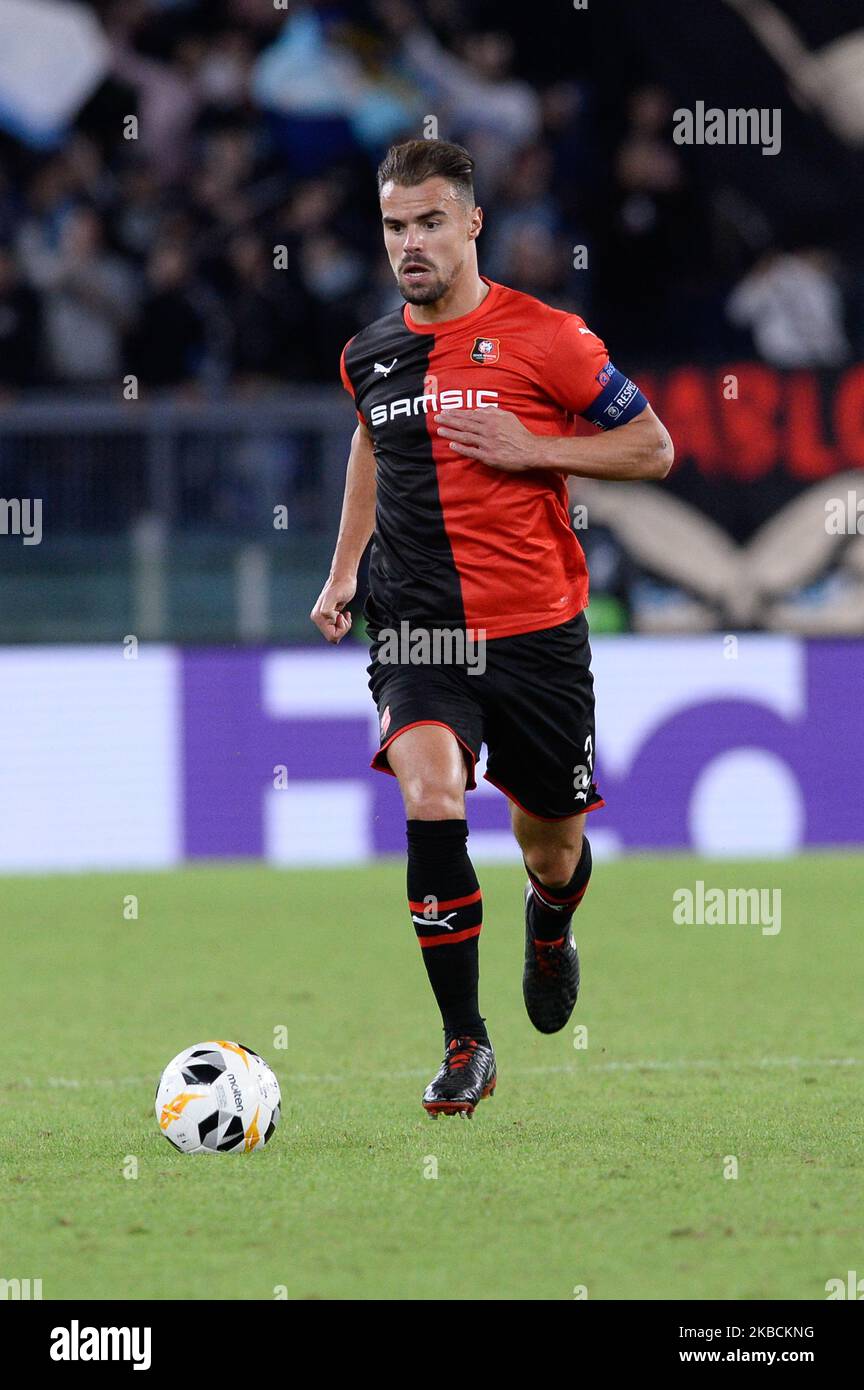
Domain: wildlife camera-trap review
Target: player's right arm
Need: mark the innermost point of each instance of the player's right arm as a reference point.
(355, 530)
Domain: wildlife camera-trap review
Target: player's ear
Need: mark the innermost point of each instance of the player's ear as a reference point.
(475, 223)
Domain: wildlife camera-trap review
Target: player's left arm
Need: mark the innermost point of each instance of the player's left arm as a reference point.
(640, 448)
(576, 374)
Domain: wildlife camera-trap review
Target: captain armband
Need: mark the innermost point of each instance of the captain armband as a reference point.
(619, 401)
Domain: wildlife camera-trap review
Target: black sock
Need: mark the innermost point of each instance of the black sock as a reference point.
(553, 907)
(447, 912)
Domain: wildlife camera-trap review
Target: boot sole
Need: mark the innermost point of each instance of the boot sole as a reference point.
(459, 1107)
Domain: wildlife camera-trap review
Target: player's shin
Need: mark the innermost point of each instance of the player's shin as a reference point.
(553, 907)
(447, 913)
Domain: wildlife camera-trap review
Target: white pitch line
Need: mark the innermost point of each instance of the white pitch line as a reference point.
(647, 1064)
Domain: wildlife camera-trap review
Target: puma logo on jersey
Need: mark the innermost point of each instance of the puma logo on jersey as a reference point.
(385, 371)
(434, 921)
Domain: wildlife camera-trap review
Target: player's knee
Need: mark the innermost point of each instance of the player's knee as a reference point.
(430, 798)
(556, 864)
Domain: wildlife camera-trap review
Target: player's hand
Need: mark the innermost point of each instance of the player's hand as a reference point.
(327, 615)
(495, 437)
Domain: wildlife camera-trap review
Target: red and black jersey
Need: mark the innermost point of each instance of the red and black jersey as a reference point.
(457, 543)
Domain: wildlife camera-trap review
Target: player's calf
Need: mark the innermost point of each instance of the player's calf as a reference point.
(447, 913)
(550, 978)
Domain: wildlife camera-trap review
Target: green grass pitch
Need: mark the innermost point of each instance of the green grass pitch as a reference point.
(599, 1167)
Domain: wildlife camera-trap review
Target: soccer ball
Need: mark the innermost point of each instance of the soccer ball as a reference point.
(217, 1097)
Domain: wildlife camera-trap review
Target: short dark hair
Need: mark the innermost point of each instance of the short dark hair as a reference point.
(415, 161)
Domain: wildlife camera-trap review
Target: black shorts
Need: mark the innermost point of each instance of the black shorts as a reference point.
(532, 705)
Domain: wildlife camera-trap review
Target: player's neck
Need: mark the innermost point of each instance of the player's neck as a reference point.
(459, 300)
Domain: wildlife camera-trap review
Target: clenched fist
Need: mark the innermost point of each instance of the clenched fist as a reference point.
(327, 615)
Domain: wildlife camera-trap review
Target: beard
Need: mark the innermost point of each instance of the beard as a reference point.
(429, 293)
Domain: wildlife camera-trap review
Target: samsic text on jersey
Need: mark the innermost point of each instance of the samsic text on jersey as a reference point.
(457, 543)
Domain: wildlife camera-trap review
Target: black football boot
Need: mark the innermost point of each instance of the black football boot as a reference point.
(466, 1076)
(550, 980)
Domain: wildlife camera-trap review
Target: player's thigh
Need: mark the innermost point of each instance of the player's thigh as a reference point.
(430, 767)
(540, 729)
(431, 729)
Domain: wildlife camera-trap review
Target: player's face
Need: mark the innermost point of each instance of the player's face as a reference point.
(428, 231)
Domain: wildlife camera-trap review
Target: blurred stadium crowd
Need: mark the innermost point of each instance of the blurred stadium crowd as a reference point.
(200, 214)
(259, 127)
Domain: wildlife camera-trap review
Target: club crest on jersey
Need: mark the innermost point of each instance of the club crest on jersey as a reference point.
(485, 350)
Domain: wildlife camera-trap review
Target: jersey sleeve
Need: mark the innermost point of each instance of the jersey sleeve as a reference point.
(347, 382)
(579, 375)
